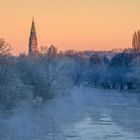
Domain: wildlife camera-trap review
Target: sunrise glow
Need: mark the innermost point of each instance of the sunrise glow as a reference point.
(70, 24)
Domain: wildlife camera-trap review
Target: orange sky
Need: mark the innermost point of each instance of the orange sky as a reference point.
(70, 24)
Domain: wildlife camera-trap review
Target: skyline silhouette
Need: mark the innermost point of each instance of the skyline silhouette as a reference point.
(79, 25)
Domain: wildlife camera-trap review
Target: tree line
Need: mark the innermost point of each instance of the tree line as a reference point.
(39, 78)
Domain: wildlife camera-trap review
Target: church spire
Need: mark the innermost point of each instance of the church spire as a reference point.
(33, 40)
(33, 26)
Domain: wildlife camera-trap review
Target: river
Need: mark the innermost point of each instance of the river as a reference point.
(83, 114)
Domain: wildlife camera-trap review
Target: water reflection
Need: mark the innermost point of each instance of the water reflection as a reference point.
(103, 129)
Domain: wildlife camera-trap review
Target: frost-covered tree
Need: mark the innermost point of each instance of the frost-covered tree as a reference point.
(9, 93)
(133, 76)
(44, 74)
(53, 72)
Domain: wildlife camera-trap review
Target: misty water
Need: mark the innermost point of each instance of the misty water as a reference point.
(84, 114)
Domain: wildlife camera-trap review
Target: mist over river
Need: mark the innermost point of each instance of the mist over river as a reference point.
(84, 114)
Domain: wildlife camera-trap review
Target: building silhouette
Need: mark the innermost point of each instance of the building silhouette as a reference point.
(52, 51)
(33, 46)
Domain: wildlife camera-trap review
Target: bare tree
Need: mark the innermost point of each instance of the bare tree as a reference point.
(52, 70)
(7, 94)
(4, 63)
(44, 73)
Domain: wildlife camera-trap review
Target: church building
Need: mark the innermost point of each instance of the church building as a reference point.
(33, 46)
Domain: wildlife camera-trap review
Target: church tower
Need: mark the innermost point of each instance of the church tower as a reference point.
(33, 40)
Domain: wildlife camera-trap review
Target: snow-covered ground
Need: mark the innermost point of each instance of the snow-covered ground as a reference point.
(85, 114)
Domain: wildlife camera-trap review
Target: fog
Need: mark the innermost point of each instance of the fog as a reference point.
(69, 95)
(84, 113)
